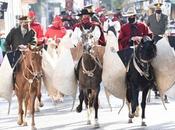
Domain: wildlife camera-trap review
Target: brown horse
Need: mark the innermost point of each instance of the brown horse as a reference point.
(27, 81)
(89, 73)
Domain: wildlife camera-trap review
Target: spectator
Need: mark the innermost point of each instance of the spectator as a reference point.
(36, 26)
(157, 22)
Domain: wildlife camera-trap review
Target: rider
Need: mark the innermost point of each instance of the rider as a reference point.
(111, 24)
(132, 30)
(36, 26)
(56, 30)
(97, 33)
(86, 23)
(18, 37)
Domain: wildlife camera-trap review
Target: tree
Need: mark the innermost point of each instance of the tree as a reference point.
(118, 4)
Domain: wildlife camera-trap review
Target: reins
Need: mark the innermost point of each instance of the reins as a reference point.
(90, 73)
(35, 75)
(141, 62)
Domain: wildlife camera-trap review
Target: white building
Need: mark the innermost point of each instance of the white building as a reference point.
(14, 9)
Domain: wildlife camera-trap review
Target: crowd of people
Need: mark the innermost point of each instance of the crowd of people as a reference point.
(101, 20)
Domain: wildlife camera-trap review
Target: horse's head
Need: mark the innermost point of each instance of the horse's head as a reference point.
(33, 60)
(146, 50)
(87, 39)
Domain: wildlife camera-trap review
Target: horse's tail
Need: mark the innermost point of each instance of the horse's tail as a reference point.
(122, 106)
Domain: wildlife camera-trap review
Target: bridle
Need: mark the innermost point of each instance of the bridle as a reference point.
(90, 73)
(35, 75)
(90, 52)
(142, 66)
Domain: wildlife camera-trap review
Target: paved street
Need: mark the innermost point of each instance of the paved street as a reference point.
(60, 117)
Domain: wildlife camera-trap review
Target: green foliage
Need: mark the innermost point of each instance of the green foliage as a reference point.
(118, 4)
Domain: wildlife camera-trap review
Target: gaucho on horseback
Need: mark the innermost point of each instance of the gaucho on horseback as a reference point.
(86, 24)
(17, 37)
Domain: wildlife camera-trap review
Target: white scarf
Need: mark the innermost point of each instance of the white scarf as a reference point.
(23, 31)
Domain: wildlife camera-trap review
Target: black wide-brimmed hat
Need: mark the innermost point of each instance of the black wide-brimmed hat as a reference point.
(24, 19)
(85, 12)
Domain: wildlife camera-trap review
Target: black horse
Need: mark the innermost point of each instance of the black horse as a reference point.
(89, 73)
(140, 76)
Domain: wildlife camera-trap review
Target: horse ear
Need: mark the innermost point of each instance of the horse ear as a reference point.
(142, 40)
(40, 46)
(31, 47)
(154, 42)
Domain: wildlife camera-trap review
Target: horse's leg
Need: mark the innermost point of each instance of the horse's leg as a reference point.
(136, 114)
(87, 98)
(134, 100)
(81, 98)
(128, 97)
(39, 94)
(96, 106)
(143, 104)
(20, 110)
(25, 110)
(134, 103)
(149, 96)
(33, 97)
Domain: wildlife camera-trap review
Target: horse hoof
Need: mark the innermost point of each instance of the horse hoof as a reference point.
(41, 104)
(24, 124)
(157, 97)
(137, 115)
(79, 109)
(88, 122)
(61, 99)
(131, 115)
(166, 100)
(96, 124)
(33, 128)
(143, 124)
(19, 122)
(37, 109)
(130, 120)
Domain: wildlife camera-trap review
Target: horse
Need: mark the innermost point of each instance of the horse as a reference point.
(27, 81)
(140, 76)
(89, 73)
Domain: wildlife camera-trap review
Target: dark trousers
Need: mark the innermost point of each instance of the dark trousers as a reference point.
(13, 57)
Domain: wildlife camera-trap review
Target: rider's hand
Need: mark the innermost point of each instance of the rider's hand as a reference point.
(136, 39)
(22, 46)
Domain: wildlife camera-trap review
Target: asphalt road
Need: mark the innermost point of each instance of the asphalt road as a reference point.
(59, 117)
